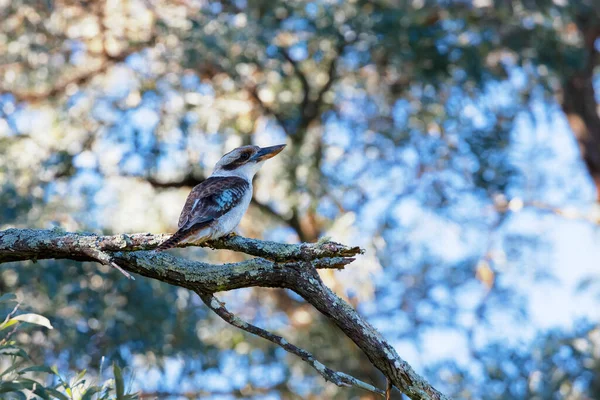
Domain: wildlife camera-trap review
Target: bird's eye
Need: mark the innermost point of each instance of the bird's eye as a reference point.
(244, 157)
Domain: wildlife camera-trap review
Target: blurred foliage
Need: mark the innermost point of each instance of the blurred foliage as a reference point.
(21, 380)
(407, 132)
(559, 365)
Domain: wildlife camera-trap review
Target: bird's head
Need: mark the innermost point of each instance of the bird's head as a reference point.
(245, 161)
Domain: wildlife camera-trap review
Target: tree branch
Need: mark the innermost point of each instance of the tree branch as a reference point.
(339, 378)
(301, 76)
(289, 266)
(82, 77)
(27, 244)
(253, 91)
(368, 339)
(328, 84)
(79, 79)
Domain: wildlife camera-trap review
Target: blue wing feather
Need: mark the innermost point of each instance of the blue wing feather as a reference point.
(211, 199)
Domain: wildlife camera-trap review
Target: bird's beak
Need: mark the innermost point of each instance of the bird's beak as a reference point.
(267, 152)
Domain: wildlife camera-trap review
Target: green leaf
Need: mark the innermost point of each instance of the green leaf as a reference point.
(13, 351)
(119, 385)
(18, 385)
(21, 395)
(34, 319)
(10, 387)
(56, 394)
(80, 375)
(7, 297)
(15, 388)
(29, 382)
(41, 392)
(90, 392)
(8, 323)
(62, 383)
(38, 368)
(9, 370)
(78, 383)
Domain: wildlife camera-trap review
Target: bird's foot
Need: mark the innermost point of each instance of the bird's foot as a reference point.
(230, 235)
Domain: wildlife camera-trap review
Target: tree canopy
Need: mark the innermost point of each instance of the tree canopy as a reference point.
(458, 143)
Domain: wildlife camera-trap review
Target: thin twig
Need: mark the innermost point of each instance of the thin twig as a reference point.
(339, 378)
(105, 259)
(11, 314)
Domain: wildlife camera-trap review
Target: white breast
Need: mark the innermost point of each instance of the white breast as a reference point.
(228, 222)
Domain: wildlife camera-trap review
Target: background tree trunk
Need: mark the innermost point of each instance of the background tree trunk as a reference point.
(580, 106)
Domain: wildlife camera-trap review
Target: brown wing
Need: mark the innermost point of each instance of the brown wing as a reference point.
(211, 199)
(206, 202)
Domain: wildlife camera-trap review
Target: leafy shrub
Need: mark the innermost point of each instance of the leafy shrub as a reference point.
(22, 379)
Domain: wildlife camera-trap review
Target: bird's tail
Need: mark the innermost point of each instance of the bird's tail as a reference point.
(173, 240)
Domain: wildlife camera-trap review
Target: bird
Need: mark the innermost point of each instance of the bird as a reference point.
(215, 207)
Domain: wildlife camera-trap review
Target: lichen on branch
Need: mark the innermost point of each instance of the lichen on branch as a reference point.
(277, 265)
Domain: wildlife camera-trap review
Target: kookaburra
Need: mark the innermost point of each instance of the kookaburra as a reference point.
(215, 207)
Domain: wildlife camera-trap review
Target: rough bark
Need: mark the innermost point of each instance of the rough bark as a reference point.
(290, 266)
